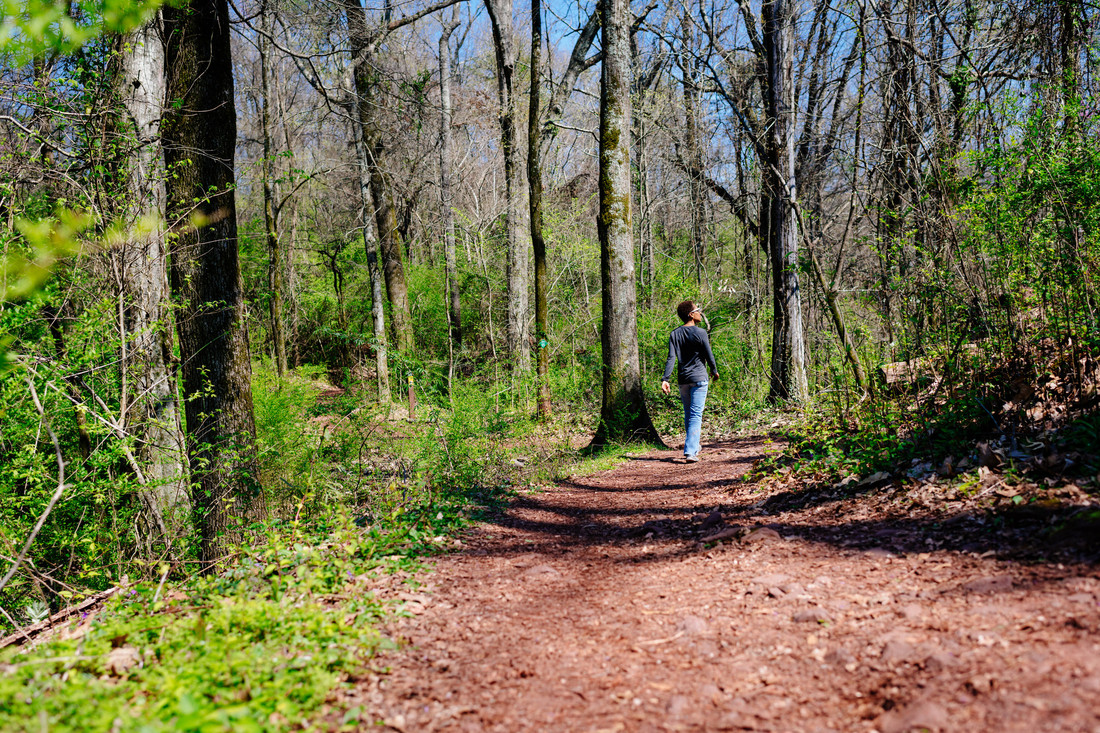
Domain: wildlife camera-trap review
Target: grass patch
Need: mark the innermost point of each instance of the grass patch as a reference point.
(612, 456)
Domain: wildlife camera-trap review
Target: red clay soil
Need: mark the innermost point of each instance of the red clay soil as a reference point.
(595, 606)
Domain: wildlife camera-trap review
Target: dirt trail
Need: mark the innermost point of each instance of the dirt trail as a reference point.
(594, 607)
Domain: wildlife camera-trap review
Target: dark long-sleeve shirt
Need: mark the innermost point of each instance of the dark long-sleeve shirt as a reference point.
(690, 346)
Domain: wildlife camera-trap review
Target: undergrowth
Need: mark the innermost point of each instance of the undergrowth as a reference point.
(1026, 410)
(266, 641)
(259, 646)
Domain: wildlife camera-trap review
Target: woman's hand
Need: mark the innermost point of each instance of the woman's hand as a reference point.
(666, 388)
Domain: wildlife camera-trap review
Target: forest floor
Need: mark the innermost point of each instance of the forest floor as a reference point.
(662, 596)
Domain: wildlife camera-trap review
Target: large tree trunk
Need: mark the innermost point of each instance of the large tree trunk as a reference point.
(534, 184)
(276, 257)
(142, 263)
(788, 363)
(446, 163)
(500, 13)
(623, 414)
(367, 87)
(200, 133)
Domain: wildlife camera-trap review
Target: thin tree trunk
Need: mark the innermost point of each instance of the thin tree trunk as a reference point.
(623, 414)
(290, 284)
(645, 228)
(788, 362)
(500, 13)
(644, 80)
(153, 417)
(370, 245)
(446, 163)
(828, 290)
(271, 224)
(692, 151)
(534, 183)
(393, 267)
(200, 136)
(291, 324)
(367, 87)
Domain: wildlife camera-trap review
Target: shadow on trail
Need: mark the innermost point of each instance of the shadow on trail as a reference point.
(632, 505)
(677, 459)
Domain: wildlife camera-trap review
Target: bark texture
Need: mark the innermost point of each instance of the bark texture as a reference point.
(446, 164)
(500, 13)
(692, 150)
(377, 301)
(369, 102)
(534, 186)
(276, 256)
(623, 413)
(788, 362)
(200, 135)
(152, 408)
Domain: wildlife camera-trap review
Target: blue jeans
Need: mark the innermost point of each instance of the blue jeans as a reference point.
(694, 397)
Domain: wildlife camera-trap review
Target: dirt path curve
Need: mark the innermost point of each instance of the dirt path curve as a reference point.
(594, 607)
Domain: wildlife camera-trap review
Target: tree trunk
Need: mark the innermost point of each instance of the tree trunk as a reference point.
(153, 416)
(900, 168)
(367, 87)
(534, 184)
(829, 292)
(393, 267)
(1071, 20)
(370, 244)
(645, 202)
(276, 256)
(692, 150)
(446, 163)
(500, 13)
(200, 134)
(640, 140)
(623, 414)
(788, 363)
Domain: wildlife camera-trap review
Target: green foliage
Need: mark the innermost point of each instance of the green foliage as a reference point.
(1034, 209)
(429, 309)
(45, 241)
(258, 647)
(28, 261)
(287, 443)
(89, 537)
(32, 27)
(461, 454)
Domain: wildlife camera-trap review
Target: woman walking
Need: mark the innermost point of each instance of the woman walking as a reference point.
(690, 346)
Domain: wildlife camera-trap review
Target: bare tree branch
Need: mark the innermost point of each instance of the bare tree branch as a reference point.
(53, 499)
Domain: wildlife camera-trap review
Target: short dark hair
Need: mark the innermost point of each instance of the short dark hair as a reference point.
(685, 309)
